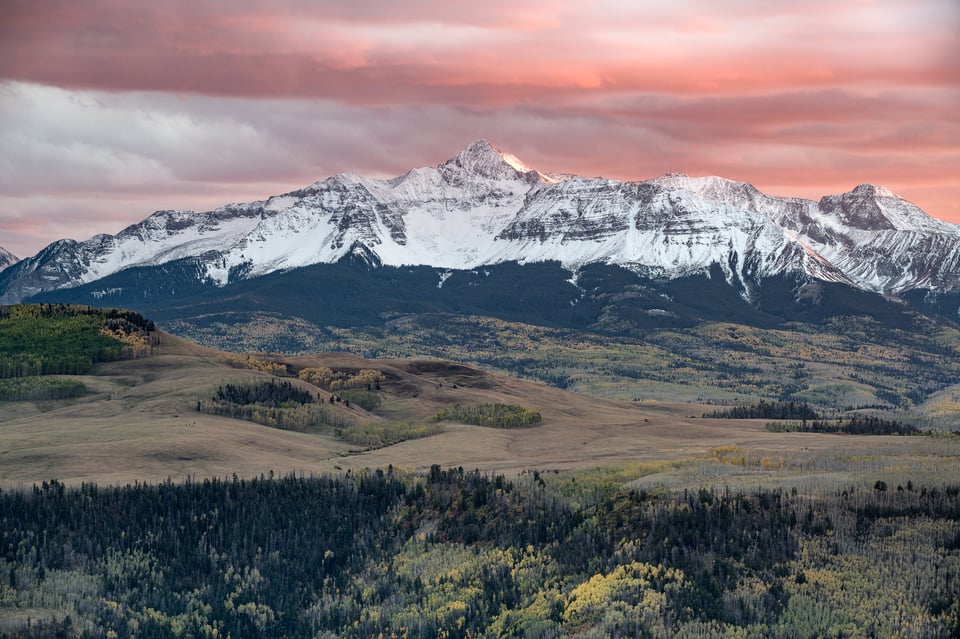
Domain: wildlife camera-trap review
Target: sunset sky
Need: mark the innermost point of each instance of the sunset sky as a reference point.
(111, 109)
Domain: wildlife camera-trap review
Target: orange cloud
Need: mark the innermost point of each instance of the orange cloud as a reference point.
(813, 95)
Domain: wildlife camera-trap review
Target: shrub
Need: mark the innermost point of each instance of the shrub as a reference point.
(36, 388)
(496, 415)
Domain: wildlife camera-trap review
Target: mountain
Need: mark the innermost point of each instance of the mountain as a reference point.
(484, 207)
(7, 258)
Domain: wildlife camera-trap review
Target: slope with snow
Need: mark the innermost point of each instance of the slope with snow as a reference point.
(484, 206)
(7, 258)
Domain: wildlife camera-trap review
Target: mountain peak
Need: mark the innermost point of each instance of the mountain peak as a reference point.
(7, 258)
(480, 158)
(484, 206)
(876, 208)
(874, 190)
(711, 187)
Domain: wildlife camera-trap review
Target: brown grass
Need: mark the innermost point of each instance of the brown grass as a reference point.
(140, 424)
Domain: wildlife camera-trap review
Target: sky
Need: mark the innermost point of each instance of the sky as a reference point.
(113, 109)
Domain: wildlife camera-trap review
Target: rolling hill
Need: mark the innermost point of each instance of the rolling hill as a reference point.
(138, 420)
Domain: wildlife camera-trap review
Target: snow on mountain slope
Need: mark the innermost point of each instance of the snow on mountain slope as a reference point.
(7, 258)
(878, 240)
(484, 206)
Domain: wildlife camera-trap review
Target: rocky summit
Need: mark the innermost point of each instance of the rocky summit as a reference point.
(484, 207)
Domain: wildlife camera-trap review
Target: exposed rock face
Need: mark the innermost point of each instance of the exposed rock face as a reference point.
(484, 206)
(7, 258)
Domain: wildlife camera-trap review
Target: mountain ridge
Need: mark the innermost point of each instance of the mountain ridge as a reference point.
(484, 206)
(7, 258)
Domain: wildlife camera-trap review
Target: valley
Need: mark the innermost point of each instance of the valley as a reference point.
(138, 422)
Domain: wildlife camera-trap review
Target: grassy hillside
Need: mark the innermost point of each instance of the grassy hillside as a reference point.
(139, 421)
(847, 363)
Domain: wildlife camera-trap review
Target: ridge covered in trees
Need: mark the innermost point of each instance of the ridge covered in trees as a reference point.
(45, 339)
(459, 554)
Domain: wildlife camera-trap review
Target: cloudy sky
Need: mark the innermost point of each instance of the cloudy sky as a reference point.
(111, 109)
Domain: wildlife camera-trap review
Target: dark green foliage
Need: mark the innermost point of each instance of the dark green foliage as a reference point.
(348, 556)
(496, 415)
(301, 536)
(275, 404)
(367, 400)
(49, 339)
(271, 393)
(463, 554)
(768, 410)
(857, 425)
(537, 293)
(39, 388)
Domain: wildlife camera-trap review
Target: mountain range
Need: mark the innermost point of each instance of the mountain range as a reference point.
(485, 207)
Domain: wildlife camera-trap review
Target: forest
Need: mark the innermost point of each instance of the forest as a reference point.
(856, 425)
(802, 418)
(45, 339)
(768, 410)
(455, 553)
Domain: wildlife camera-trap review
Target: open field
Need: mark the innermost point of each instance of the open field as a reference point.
(139, 422)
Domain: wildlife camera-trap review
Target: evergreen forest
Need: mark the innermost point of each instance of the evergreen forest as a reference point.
(45, 339)
(454, 553)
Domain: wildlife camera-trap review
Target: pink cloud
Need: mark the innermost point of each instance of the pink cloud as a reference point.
(177, 100)
(428, 52)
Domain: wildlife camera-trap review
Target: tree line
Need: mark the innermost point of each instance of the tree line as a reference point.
(767, 410)
(496, 415)
(58, 339)
(20, 389)
(856, 425)
(272, 394)
(459, 554)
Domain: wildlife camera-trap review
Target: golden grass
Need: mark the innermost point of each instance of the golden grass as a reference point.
(139, 423)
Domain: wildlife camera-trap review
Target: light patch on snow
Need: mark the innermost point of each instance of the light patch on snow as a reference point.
(280, 202)
(105, 292)
(515, 162)
(549, 179)
(443, 278)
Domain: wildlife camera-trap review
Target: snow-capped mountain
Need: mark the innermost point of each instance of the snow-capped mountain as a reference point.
(7, 258)
(485, 207)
